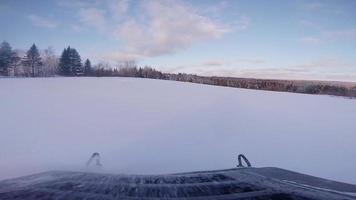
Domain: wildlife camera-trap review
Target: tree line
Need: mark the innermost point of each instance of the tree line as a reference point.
(40, 64)
(45, 64)
(69, 63)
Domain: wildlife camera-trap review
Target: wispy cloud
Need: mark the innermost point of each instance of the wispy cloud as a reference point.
(324, 63)
(250, 60)
(322, 7)
(314, 5)
(241, 23)
(41, 21)
(310, 24)
(212, 66)
(93, 17)
(169, 26)
(217, 9)
(278, 73)
(78, 3)
(76, 28)
(119, 8)
(310, 40)
(213, 63)
(317, 69)
(341, 34)
(331, 35)
(225, 9)
(161, 27)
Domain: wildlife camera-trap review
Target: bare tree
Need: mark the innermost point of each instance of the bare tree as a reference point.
(50, 62)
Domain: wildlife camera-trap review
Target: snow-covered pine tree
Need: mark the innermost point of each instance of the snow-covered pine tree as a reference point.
(87, 67)
(76, 63)
(65, 63)
(70, 63)
(7, 58)
(32, 59)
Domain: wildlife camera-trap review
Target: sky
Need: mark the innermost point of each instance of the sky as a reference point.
(283, 39)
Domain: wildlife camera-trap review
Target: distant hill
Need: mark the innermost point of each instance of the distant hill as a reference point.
(336, 88)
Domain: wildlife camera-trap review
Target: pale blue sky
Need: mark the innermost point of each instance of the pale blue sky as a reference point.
(247, 38)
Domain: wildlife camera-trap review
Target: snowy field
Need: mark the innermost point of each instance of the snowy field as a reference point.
(153, 126)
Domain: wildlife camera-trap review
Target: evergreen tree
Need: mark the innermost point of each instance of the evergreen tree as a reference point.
(7, 57)
(65, 63)
(32, 59)
(70, 63)
(87, 67)
(76, 61)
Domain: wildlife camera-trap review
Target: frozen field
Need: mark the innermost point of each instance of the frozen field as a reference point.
(150, 126)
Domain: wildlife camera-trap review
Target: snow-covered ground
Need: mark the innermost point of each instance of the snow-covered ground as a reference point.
(153, 126)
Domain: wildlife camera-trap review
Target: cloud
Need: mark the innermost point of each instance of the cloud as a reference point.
(90, 13)
(119, 8)
(41, 22)
(310, 40)
(216, 9)
(318, 69)
(76, 28)
(328, 36)
(279, 73)
(212, 66)
(242, 23)
(298, 75)
(225, 9)
(341, 34)
(213, 63)
(322, 7)
(150, 28)
(325, 63)
(122, 56)
(315, 6)
(93, 17)
(310, 24)
(249, 61)
(78, 3)
(169, 26)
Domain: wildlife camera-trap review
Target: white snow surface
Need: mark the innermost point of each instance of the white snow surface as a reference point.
(142, 126)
